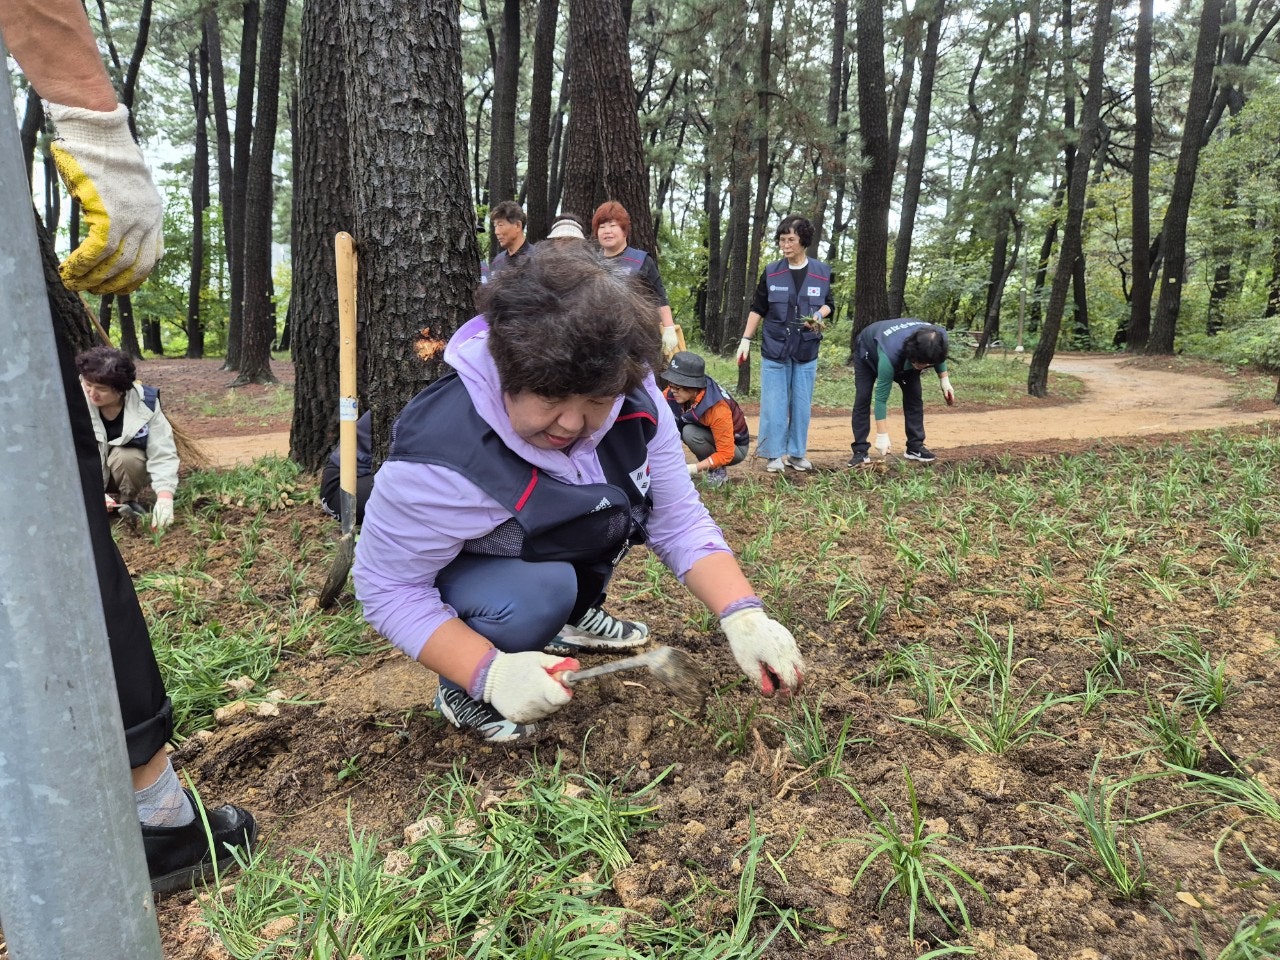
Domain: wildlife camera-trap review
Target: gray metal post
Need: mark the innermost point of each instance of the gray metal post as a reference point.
(73, 879)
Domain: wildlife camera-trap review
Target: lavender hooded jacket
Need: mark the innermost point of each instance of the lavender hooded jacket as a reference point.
(420, 514)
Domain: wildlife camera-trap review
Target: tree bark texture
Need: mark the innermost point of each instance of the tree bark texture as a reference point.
(323, 205)
(1174, 233)
(415, 225)
(916, 154)
(235, 226)
(258, 329)
(506, 87)
(1069, 250)
(1139, 326)
(605, 155)
(198, 76)
(537, 180)
(839, 135)
(871, 295)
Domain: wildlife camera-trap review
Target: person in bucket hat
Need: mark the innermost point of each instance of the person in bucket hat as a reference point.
(710, 420)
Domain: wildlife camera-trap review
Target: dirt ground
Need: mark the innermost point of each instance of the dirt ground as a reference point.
(1123, 397)
(286, 768)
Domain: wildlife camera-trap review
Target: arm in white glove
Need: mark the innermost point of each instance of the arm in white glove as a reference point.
(521, 686)
(693, 469)
(162, 512)
(764, 649)
(882, 443)
(669, 342)
(103, 169)
(944, 380)
(744, 349)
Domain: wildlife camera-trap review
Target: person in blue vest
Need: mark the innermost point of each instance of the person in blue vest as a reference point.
(185, 839)
(611, 226)
(889, 352)
(135, 438)
(508, 221)
(711, 422)
(514, 486)
(794, 300)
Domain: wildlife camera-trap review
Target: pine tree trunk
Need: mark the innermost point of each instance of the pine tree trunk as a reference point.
(835, 90)
(415, 224)
(1139, 326)
(1038, 373)
(914, 178)
(222, 134)
(1174, 233)
(237, 227)
(605, 153)
(323, 205)
(198, 76)
(871, 296)
(258, 330)
(502, 133)
(537, 181)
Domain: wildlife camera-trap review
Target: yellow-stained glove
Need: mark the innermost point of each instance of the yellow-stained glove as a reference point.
(103, 168)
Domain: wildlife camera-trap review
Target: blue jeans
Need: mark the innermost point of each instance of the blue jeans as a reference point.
(786, 399)
(514, 604)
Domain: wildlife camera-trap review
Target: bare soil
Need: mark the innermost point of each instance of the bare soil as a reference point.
(286, 768)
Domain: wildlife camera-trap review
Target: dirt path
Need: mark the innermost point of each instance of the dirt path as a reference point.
(1120, 400)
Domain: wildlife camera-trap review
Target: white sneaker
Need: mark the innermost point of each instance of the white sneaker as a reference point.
(775, 465)
(597, 630)
(467, 714)
(799, 463)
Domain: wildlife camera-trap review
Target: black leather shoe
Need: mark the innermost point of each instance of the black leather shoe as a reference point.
(178, 858)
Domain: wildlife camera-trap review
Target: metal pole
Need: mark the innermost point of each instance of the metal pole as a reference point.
(73, 878)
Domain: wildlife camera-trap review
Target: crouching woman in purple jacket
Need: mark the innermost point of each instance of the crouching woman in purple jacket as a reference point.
(514, 486)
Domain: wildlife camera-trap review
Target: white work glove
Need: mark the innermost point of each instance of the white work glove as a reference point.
(520, 686)
(162, 512)
(103, 168)
(765, 650)
(693, 469)
(744, 350)
(669, 342)
(882, 443)
(947, 393)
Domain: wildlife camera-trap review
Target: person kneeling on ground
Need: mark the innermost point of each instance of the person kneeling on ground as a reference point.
(134, 436)
(515, 485)
(889, 352)
(710, 420)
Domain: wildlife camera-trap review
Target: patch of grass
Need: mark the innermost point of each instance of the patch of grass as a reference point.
(273, 402)
(919, 873)
(1257, 937)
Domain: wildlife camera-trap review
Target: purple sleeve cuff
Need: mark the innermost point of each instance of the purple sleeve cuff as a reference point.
(475, 689)
(751, 602)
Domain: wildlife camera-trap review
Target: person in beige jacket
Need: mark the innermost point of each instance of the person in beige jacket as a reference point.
(134, 437)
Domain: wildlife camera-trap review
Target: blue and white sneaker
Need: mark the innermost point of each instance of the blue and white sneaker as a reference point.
(467, 714)
(597, 630)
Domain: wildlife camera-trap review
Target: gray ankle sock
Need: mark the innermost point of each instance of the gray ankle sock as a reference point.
(164, 804)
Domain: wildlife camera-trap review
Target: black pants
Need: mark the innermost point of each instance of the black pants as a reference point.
(864, 378)
(146, 709)
(331, 491)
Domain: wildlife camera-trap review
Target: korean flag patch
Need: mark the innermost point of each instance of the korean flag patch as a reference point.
(640, 477)
(815, 291)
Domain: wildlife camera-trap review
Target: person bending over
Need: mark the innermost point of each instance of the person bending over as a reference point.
(515, 485)
(889, 352)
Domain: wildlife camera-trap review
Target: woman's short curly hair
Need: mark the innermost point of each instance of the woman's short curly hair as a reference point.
(108, 366)
(570, 323)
